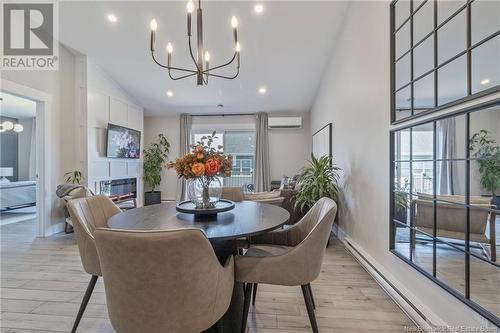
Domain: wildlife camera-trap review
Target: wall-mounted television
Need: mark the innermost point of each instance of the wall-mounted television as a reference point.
(123, 142)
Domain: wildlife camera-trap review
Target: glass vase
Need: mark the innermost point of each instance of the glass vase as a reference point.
(204, 192)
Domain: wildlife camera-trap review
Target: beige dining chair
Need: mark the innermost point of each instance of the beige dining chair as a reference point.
(289, 257)
(163, 281)
(88, 214)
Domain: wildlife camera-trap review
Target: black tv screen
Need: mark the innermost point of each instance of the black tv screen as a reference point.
(123, 142)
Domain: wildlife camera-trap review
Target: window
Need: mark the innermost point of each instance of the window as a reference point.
(442, 53)
(241, 145)
(445, 203)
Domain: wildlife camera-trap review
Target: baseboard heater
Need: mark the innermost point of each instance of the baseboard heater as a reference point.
(379, 276)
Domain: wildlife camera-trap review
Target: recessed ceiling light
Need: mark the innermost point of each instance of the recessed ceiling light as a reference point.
(262, 90)
(485, 81)
(258, 8)
(112, 18)
(170, 93)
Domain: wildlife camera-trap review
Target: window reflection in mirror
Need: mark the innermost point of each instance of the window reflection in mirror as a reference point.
(486, 65)
(452, 81)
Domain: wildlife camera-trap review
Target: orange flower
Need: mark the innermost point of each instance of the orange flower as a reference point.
(212, 167)
(198, 169)
(199, 149)
(200, 156)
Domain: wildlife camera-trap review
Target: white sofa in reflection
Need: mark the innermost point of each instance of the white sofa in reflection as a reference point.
(451, 218)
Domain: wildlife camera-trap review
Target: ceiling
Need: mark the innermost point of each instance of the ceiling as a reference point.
(16, 107)
(285, 49)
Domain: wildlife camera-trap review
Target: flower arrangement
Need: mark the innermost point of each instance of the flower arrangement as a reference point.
(204, 164)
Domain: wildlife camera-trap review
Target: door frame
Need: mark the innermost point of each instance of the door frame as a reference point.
(43, 149)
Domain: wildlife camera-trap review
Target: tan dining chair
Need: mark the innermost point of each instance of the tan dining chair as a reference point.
(163, 281)
(88, 214)
(289, 257)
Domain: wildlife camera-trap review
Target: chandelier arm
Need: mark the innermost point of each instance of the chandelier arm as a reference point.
(192, 55)
(225, 77)
(173, 68)
(181, 77)
(220, 66)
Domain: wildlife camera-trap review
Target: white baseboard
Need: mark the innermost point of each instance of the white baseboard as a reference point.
(54, 229)
(403, 298)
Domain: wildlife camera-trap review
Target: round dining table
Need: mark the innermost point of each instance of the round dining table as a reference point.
(248, 218)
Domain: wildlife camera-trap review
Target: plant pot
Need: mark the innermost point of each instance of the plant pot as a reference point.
(152, 198)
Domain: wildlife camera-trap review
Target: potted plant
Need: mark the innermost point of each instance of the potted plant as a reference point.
(204, 166)
(487, 152)
(73, 177)
(318, 179)
(401, 204)
(155, 157)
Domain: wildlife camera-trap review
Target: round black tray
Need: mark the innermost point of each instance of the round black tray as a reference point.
(188, 207)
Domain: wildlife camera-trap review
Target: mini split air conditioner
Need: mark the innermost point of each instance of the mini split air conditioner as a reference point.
(285, 122)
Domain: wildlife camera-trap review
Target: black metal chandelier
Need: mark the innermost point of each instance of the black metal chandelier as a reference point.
(202, 68)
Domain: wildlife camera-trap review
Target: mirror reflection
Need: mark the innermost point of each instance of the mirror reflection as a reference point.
(484, 282)
(486, 65)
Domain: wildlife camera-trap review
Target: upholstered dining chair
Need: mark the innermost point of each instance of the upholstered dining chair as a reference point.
(88, 214)
(288, 257)
(163, 281)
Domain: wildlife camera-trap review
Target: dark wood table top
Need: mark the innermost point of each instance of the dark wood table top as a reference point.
(248, 218)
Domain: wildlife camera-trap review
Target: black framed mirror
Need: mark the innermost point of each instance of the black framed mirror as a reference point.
(442, 53)
(445, 203)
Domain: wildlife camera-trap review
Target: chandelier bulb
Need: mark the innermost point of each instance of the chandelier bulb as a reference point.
(207, 56)
(234, 22)
(238, 47)
(190, 6)
(153, 25)
(170, 48)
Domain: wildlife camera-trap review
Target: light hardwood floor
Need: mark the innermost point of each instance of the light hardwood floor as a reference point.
(42, 284)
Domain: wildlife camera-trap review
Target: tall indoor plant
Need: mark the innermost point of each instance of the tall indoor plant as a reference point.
(155, 157)
(487, 152)
(319, 178)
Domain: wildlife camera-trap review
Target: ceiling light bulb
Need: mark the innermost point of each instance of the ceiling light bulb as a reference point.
(234, 22)
(112, 18)
(262, 90)
(153, 25)
(170, 93)
(8, 125)
(238, 47)
(170, 48)
(18, 128)
(207, 56)
(485, 81)
(190, 6)
(258, 8)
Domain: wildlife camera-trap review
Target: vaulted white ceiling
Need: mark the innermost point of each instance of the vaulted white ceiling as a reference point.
(285, 49)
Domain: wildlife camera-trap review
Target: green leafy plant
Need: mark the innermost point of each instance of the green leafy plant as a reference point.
(74, 177)
(401, 202)
(487, 151)
(319, 178)
(155, 157)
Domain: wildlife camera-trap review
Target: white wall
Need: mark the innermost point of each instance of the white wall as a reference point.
(107, 102)
(60, 148)
(355, 97)
(170, 127)
(289, 148)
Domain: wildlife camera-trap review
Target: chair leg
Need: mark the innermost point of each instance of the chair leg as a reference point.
(254, 293)
(312, 297)
(493, 241)
(246, 306)
(309, 306)
(85, 301)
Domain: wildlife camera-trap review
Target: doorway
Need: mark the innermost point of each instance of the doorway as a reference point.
(23, 202)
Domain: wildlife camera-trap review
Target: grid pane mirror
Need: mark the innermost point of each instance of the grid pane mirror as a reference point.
(443, 52)
(445, 203)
